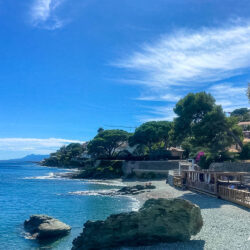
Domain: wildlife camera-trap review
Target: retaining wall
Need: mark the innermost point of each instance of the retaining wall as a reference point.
(129, 166)
(230, 166)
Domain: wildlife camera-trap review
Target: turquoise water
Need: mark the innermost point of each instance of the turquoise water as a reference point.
(27, 189)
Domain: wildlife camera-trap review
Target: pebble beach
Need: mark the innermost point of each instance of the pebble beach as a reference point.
(226, 225)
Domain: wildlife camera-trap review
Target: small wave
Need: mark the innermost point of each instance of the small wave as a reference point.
(106, 183)
(110, 192)
(135, 204)
(45, 177)
(29, 236)
(51, 176)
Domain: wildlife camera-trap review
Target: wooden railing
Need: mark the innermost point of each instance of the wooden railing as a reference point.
(241, 197)
(210, 188)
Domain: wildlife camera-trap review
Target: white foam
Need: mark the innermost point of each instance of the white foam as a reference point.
(45, 177)
(106, 183)
(29, 236)
(108, 192)
(136, 204)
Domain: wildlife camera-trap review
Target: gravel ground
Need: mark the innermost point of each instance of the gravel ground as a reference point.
(226, 225)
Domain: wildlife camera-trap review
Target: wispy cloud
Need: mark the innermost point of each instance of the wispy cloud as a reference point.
(33, 145)
(191, 61)
(229, 96)
(189, 58)
(160, 97)
(158, 113)
(43, 14)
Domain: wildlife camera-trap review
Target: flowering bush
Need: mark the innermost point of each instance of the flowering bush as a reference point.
(199, 155)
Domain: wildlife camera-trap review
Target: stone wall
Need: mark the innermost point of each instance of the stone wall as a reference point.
(129, 166)
(230, 167)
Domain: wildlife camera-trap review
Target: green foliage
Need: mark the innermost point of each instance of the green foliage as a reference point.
(243, 114)
(245, 153)
(151, 133)
(100, 130)
(208, 158)
(107, 169)
(190, 110)
(159, 154)
(140, 150)
(211, 131)
(106, 142)
(187, 147)
(201, 123)
(205, 161)
(65, 156)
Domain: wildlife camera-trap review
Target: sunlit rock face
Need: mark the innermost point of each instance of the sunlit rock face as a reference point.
(158, 221)
(43, 227)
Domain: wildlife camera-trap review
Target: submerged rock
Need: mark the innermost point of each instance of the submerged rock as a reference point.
(158, 221)
(43, 227)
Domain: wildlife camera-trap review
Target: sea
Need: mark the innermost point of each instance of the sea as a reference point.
(27, 189)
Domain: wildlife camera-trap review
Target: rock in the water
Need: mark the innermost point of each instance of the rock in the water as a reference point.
(135, 189)
(44, 227)
(158, 221)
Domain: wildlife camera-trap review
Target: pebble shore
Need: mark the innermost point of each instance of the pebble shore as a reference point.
(226, 225)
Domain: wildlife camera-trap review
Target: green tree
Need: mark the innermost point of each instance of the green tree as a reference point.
(217, 132)
(204, 124)
(245, 153)
(187, 147)
(243, 114)
(164, 128)
(65, 155)
(150, 133)
(106, 142)
(100, 130)
(190, 110)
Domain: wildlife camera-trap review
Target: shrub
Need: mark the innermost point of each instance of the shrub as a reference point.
(245, 153)
(160, 154)
(205, 161)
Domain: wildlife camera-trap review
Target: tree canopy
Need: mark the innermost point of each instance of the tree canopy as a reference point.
(106, 142)
(204, 124)
(190, 110)
(243, 114)
(216, 132)
(65, 155)
(152, 132)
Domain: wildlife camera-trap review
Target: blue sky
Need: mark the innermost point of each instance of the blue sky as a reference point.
(69, 67)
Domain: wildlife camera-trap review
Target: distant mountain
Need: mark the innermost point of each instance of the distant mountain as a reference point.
(31, 157)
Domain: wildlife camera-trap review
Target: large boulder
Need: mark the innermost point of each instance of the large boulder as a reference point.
(45, 227)
(158, 221)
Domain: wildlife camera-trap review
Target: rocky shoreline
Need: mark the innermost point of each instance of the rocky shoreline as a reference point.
(220, 218)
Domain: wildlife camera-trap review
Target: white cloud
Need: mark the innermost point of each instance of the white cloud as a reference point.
(229, 96)
(191, 61)
(33, 145)
(190, 58)
(43, 14)
(158, 114)
(161, 97)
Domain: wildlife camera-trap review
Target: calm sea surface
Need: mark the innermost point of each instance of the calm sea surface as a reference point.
(27, 189)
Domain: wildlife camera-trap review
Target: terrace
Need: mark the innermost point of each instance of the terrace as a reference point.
(231, 186)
